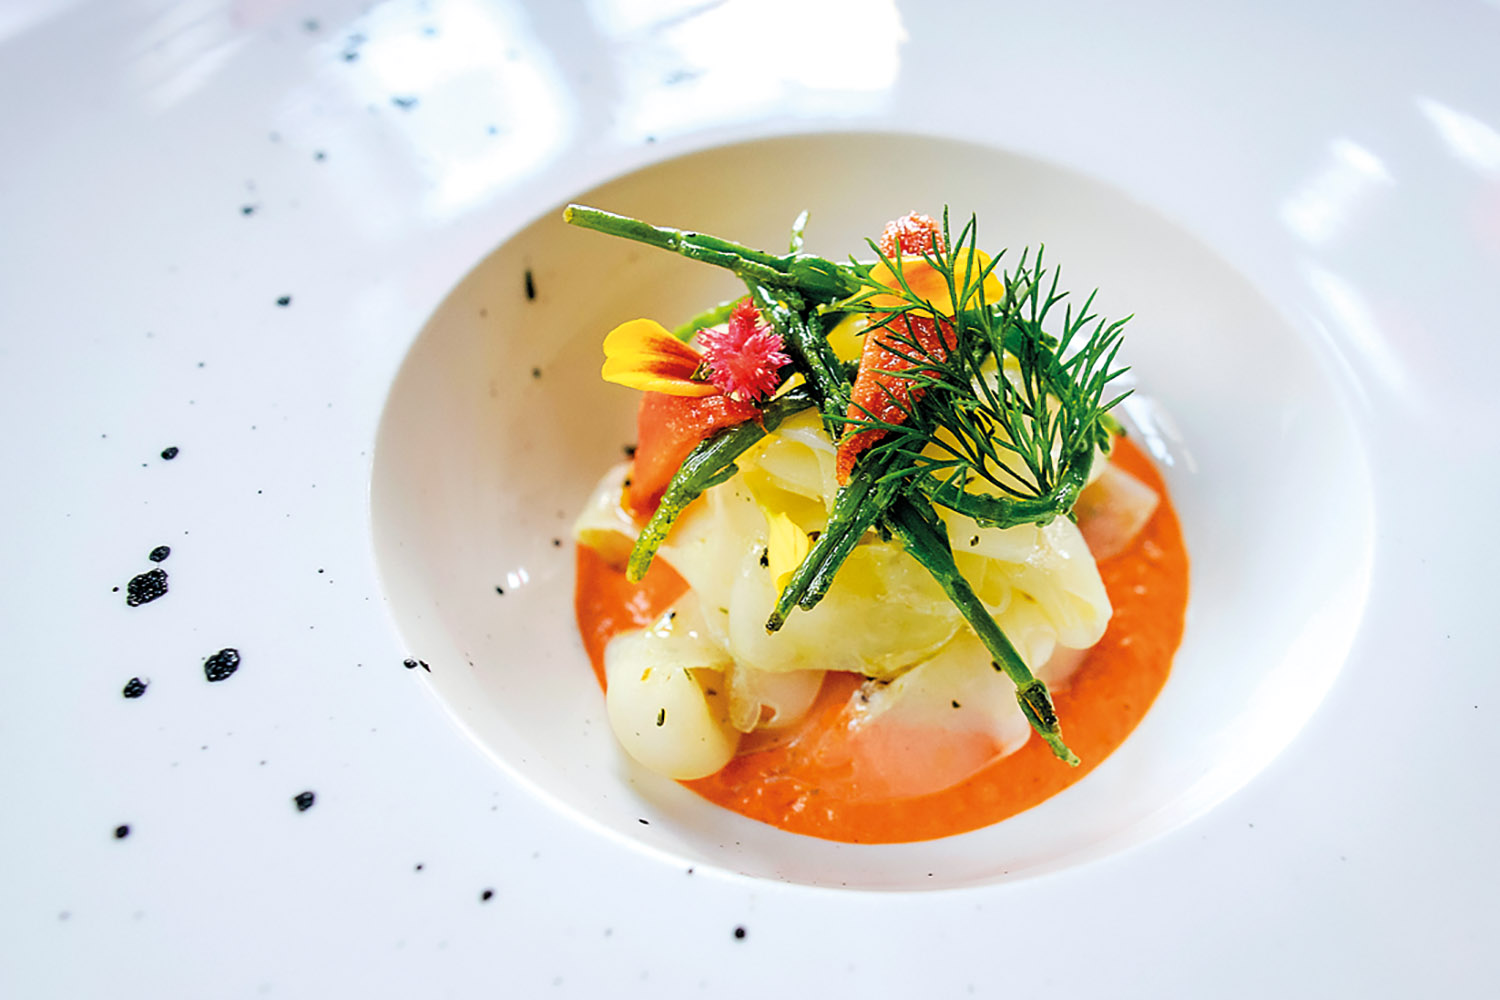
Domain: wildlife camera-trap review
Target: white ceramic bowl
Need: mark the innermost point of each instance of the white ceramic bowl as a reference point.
(499, 425)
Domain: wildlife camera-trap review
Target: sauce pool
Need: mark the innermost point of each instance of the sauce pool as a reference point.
(790, 786)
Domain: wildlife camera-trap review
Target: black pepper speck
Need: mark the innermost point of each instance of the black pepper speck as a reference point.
(739, 933)
(536, 373)
(169, 453)
(160, 553)
(122, 831)
(530, 286)
(146, 587)
(487, 895)
(411, 664)
(222, 664)
(284, 301)
(134, 688)
(304, 801)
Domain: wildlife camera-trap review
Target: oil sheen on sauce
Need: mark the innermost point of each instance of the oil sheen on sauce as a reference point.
(789, 786)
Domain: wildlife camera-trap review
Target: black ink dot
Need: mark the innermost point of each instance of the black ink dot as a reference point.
(629, 450)
(304, 801)
(169, 453)
(122, 831)
(557, 543)
(536, 373)
(957, 705)
(247, 209)
(765, 558)
(530, 286)
(319, 155)
(135, 687)
(420, 866)
(487, 895)
(146, 588)
(644, 822)
(739, 933)
(500, 591)
(284, 301)
(222, 664)
(404, 103)
(159, 553)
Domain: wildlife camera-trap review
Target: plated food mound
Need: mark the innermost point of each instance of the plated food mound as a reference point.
(879, 530)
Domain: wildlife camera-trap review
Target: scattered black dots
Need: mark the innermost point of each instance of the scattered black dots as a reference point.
(487, 895)
(135, 687)
(557, 543)
(304, 801)
(420, 866)
(411, 664)
(159, 553)
(247, 209)
(221, 665)
(974, 541)
(169, 453)
(530, 286)
(320, 571)
(146, 587)
(122, 831)
(284, 301)
(739, 933)
(404, 103)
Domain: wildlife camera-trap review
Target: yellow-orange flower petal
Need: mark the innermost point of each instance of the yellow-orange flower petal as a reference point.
(642, 354)
(786, 546)
(928, 284)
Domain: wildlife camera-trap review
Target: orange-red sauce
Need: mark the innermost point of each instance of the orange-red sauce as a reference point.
(790, 787)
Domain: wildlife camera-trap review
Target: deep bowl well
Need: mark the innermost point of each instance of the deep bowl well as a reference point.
(498, 425)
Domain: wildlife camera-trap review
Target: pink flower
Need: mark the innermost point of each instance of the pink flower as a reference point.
(745, 359)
